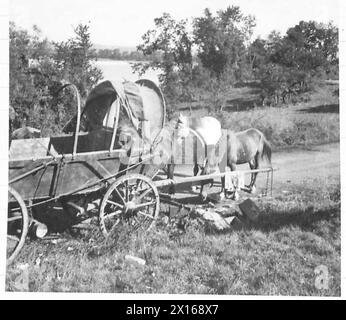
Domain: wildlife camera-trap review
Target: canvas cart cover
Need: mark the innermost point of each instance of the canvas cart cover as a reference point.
(142, 101)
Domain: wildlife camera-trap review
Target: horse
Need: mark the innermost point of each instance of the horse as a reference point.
(161, 146)
(164, 146)
(207, 129)
(248, 146)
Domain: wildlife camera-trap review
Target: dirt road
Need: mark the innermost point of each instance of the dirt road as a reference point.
(295, 166)
(300, 164)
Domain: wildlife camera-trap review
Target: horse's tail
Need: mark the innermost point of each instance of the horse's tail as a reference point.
(266, 150)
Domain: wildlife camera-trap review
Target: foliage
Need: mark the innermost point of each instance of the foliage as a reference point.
(74, 57)
(220, 44)
(172, 44)
(221, 40)
(38, 69)
(291, 64)
(117, 54)
(218, 53)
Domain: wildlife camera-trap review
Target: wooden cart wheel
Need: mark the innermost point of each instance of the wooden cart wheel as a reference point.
(132, 201)
(17, 224)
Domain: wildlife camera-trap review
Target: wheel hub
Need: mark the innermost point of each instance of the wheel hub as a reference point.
(130, 207)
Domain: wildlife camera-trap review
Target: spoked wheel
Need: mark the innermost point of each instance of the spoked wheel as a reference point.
(132, 201)
(17, 224)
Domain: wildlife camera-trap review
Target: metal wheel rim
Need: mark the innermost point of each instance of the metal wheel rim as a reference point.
(123, 216)
(14, 217)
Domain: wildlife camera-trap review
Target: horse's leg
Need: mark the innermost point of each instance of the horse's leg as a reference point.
(222, 192)
(170, 175)
(204, 171)
(236, 193)
(196, 171)
(233, 167)
(253, 166)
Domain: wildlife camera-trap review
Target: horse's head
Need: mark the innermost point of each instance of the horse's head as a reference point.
(182, 128)
(128, 137)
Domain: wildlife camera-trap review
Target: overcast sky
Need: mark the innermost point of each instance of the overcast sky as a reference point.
(123, 22)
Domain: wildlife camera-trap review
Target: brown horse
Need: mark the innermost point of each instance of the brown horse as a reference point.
(248, 146)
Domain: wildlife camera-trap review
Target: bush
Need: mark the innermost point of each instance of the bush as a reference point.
(39, 68)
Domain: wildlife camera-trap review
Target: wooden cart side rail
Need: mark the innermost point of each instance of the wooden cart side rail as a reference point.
(28, 173)
(69, 156)
(167, 182)
(99, 183)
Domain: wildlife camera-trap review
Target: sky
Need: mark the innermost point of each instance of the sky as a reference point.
(123, 22)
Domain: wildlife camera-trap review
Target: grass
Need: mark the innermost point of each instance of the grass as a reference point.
(297, 231)
(302, 124)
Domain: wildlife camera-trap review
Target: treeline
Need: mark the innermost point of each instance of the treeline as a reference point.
(198, 60)
(216, 51)
(117, 54)
(38, 70)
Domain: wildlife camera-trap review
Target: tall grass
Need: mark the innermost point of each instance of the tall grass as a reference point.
(285, 126)
(277, 255)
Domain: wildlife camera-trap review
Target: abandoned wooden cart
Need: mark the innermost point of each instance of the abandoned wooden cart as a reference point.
(90, 170)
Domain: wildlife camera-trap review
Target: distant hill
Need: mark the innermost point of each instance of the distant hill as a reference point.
(112, 47)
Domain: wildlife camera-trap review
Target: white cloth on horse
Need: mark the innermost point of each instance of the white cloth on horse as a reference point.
(208, 128)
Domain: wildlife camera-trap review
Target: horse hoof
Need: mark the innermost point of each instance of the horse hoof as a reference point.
(253, 190)
(236, 196)
(222, 196)
(203, 195)
(229, 195)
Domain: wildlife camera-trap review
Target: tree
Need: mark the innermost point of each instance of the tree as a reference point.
(257, 54)
(222, 40)
(74, 60)
(291, 64)
(171, 44)
(28, 90)
(308, 47)
(38, 68)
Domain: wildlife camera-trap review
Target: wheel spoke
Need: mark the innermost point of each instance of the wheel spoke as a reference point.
(146, 204)
(146, 215)
(127, 191)
(143, 194)
(113, 227)
(139, 185)
(115, 204)
(139, 225)
(13, 238)
(120, 196)
(14, 218)
(112, 214)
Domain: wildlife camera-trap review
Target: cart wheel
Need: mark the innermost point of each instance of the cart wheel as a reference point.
(17, 224)
(132, 200)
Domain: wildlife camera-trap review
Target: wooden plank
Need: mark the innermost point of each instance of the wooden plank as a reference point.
(199, 178)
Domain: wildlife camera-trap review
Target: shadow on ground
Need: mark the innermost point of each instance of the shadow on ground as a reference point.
(324, 108)
(305, 220)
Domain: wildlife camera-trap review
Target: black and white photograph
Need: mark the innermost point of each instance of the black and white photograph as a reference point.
(185, 148)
